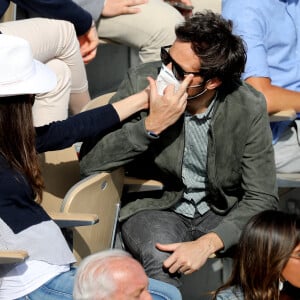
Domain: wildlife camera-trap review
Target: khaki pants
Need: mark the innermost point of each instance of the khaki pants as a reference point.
(54, 43)
(149, 29)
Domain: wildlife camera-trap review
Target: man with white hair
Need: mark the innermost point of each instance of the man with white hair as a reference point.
(113, 274)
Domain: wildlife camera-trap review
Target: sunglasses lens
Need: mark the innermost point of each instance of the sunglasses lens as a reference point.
(177, 71)
(165, 57)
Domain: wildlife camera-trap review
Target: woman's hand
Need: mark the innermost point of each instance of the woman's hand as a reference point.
(166, 110)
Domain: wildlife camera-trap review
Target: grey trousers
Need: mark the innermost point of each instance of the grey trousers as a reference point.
(287, 151)
(142, 231)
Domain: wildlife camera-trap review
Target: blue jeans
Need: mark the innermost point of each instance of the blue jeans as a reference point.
(143, 230)
(61, 288)
(163, 291)
(58, 288)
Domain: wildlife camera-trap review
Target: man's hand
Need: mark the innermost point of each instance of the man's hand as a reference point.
(165, 110)
(88, 44)
(188, 257)
(114, 8)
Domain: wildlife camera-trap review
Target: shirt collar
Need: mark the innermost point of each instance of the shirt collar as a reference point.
(208, 113)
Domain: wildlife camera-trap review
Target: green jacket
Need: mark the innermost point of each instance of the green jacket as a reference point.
(240, 160)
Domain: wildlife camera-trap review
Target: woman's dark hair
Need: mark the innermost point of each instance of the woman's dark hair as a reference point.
(265, 246)
(222, 54)
(17, 139)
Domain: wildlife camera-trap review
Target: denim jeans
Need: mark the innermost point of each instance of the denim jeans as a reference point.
(163, 291)
(58, 288)
(61, 288)
(143, 230)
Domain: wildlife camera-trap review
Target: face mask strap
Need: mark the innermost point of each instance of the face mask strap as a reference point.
(198, 95)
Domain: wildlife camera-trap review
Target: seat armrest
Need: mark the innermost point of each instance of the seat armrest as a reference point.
(64, 220)
(283, 115)
(9, 257)
(134, 184)
(288, 180)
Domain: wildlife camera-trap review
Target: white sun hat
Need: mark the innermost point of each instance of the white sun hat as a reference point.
(20, 74)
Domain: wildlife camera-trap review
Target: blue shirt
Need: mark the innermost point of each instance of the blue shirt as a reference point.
(271, 31)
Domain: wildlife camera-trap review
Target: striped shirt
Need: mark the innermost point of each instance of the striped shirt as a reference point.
(194, 174)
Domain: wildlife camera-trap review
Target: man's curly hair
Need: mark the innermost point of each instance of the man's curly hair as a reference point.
(222, 54)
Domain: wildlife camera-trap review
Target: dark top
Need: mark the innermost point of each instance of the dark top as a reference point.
(17, 208)
(56, 9)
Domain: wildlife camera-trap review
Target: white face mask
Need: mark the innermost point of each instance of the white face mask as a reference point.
(164, 78)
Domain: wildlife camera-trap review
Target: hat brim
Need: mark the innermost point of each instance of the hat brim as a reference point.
(42, 81)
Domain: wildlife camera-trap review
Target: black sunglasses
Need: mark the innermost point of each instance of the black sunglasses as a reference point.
(178, 72)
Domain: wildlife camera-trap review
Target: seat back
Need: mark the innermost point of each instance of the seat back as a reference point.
(99, 101)
(99, 194)
(60, 171)
(10, 14)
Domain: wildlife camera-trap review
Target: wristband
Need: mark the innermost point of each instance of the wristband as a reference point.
(152, 134)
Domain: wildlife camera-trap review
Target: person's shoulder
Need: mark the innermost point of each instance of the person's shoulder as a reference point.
(135, 79)
(242, 98)
(230, 6)
(232, 293)
(256, 10)
(246, 94)
(146, 69)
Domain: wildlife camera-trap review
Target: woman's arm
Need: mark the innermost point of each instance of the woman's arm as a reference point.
(88, 124)
(132, 104)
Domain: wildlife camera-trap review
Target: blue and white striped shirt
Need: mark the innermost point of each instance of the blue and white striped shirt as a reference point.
(194, 167)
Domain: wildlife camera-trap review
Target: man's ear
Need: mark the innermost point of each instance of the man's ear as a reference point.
(213, 83)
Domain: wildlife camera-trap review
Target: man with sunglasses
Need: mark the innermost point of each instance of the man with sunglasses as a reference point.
(215, 160)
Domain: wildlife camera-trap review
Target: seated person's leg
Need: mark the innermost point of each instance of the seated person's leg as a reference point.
(287, 151)
(163, 291)
(53, 106)
(147, 31)
(143, 230)
(51, 39)
(214, 5)
(58, 288)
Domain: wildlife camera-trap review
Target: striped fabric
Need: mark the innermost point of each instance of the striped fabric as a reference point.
(194, 174)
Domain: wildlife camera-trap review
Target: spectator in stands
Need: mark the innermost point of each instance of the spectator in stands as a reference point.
(48, 272)
(143, 24)
(59, 49)
(65, 10)
(215, 160)
(267, 257)
(273, 65)
(114, 275)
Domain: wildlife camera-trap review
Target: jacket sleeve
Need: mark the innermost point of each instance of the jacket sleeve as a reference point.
(59, 9)
(258, 176)
(123, 145)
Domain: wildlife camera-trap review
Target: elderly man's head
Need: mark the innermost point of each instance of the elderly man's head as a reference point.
(111, 274)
